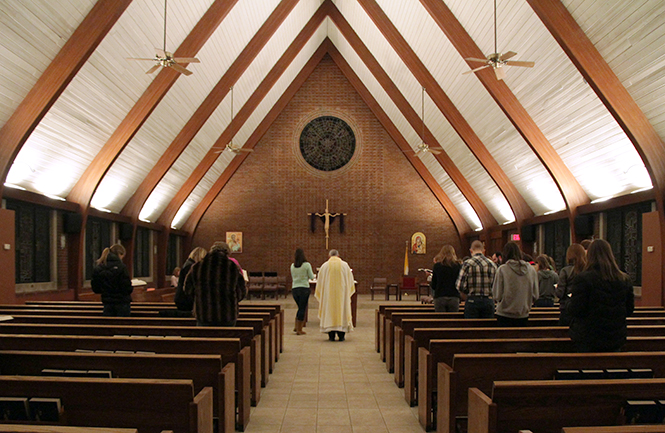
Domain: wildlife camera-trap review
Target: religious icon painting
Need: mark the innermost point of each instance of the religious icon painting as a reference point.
(418, 243)
(234, 240)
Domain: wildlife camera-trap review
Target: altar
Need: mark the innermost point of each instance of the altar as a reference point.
(354, 302)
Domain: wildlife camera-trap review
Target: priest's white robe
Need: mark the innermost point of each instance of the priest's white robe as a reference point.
(334, 287)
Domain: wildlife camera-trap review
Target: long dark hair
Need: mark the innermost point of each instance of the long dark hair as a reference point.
(576, 256)
(511, 251)
(300, 258)
(600, 258)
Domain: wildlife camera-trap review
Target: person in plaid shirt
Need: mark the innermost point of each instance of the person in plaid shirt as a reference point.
(475, 281)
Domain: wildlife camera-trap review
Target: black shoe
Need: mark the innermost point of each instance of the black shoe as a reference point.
(331, 335)
(341, 335)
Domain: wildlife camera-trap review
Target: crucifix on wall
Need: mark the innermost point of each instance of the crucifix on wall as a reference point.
(327, 218)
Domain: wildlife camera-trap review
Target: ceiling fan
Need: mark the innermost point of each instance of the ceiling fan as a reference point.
(424, 147)
(230, 146)
(498, 60)
(165, 59)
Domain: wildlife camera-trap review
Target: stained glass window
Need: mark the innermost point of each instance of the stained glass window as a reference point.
(327, 143)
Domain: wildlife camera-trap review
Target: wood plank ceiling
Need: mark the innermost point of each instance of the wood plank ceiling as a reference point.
(80, 122)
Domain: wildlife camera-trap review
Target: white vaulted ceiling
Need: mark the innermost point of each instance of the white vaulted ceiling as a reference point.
(576, 124)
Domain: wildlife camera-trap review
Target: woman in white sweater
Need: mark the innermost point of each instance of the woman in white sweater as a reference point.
(515, 288)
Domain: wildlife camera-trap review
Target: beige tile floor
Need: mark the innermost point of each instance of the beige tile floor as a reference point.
(320, 386)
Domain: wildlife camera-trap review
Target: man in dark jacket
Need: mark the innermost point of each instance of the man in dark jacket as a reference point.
(217, 286)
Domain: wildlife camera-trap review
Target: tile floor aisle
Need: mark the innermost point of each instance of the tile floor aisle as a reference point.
(320, 386)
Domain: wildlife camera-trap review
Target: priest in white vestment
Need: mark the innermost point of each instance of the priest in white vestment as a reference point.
(334, 287)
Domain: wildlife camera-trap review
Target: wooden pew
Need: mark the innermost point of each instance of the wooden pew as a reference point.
(203, 370)
(149, 405)
(258, 346)
(481, 370)
(617, 429)
(445, 350)
(420, 337)
(25, 428)
(230, 349)
(548, 406)
(248, 338)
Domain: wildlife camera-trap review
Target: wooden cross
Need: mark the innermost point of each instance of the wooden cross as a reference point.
(326, 216)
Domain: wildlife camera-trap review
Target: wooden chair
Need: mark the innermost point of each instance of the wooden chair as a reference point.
(408, 284)
(270, 286)
(281, 287)
(379, 285)
(423, 289)
(255, 287)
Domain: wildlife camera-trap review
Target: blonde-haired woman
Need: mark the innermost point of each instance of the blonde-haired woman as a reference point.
(111, 279)
(182, 301)
(444, 275)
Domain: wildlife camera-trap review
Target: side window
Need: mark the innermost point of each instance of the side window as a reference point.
(142, 248)
(97, 237)
(33, 242)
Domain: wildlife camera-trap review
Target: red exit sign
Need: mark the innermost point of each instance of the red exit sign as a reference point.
(515, 237)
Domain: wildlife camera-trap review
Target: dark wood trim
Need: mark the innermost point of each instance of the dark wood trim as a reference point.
(53, 81)
(87, 184)
(542, 219)
(616, 202)
(208, 106)
(110, 216)
(572, 192)
(38, 199)
(400, 101)
(458, 220)
(236, 123)
(195, 217)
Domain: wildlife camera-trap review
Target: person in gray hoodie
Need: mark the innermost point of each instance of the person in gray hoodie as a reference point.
(547, 279)
(515, 288)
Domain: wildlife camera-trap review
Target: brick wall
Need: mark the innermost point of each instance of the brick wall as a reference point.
(385, 199)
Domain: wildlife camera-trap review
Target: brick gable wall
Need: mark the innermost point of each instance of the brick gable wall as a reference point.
(385, 199)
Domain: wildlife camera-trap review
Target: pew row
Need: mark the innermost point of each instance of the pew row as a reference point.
(444, 351)
(230, 349)
(203, 370)
(148, 405)
(481, 370)
(617, 429)
(24, 428)
(548, 406)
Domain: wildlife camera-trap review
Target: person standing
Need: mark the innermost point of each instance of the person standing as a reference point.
(576, 259)
(334, 288)
(515, 288)
(601, 299)
(475, 281)
(217, 286)
(444, 275)
(182, 301)
(547, 280)
(301, 273)
(175, 277)
(111, 279)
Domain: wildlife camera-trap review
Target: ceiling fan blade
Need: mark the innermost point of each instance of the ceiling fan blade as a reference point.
(508, 55)
(500, 73)
(473, 59)
(434, 151)
(180, 69)
(477, 69)
(520, 63)
(153, 69)
(186, 60)
(140, 58)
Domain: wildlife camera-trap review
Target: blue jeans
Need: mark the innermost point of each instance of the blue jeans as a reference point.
(301, 296)
(479, 307)
(118, 310)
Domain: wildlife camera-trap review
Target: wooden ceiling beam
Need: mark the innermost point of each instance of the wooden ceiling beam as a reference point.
(195, 217)
(569, 187)
(614, 96)
(236, 123)
(448, 109)
(54, 80)
(460, 222)
(208, 106)
(403, 105)
(87, 184)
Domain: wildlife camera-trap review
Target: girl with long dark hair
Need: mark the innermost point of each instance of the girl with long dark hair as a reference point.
(576, 259)
(301, 273)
